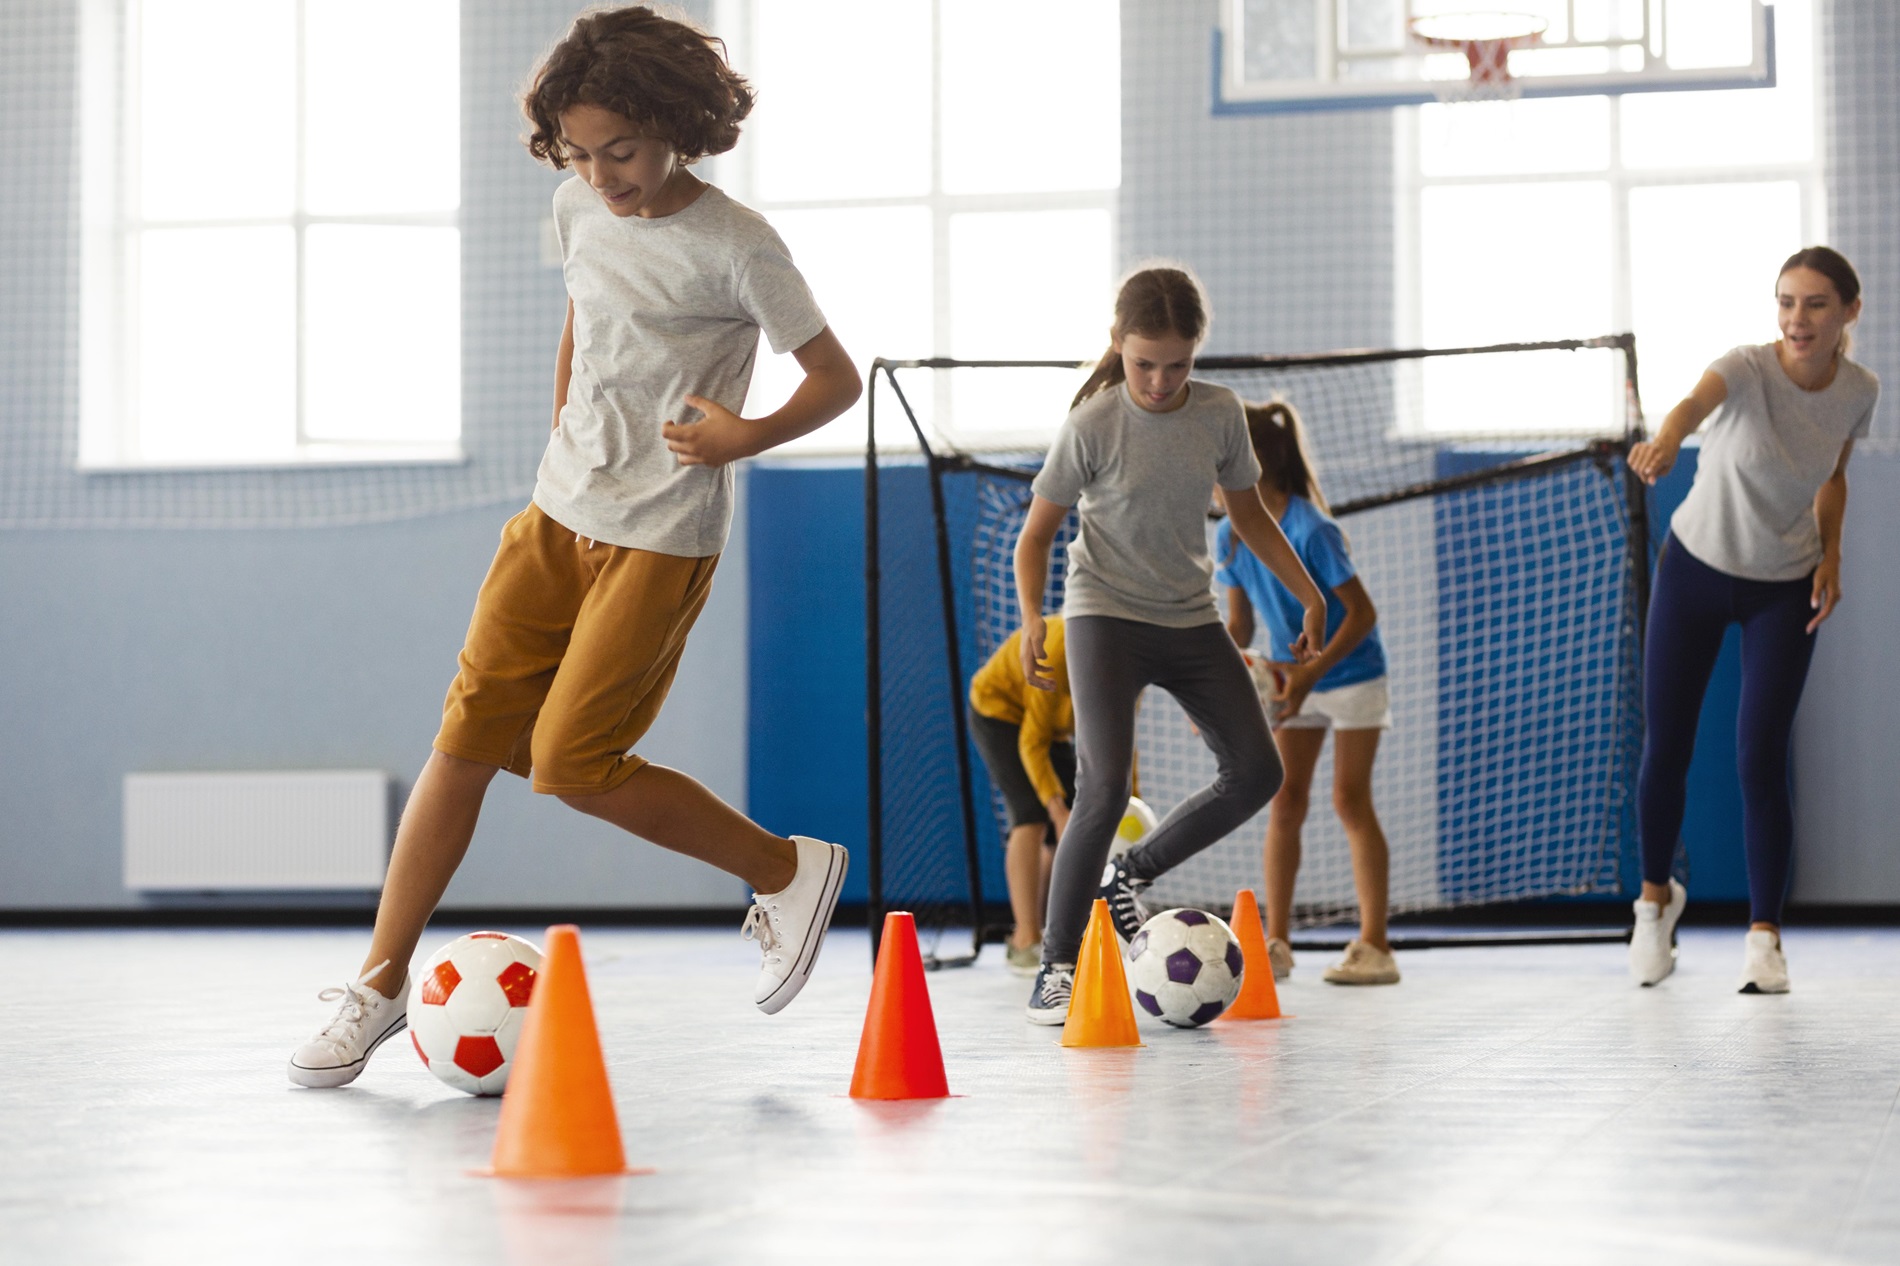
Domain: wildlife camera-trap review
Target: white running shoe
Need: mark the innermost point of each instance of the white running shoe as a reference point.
(1363, 964)
(364, 1022)
(1280, 954)
(1764, 970)
(790, 925)
(1653, 942)
(1049, 997)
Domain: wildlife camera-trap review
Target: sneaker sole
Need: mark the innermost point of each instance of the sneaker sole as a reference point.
(343, 1075)
(780, 997)
(1361, 980)
(1048, 1019)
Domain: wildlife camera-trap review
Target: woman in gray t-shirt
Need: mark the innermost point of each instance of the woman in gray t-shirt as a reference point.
(1757, 542)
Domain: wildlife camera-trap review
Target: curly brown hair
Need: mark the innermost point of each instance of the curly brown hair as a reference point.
(670, 78)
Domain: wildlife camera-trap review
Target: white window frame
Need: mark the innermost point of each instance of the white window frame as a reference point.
(109, 256)
(1809, 175)
(735, 22)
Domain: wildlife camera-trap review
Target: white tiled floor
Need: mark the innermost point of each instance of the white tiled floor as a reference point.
(1502, 1105)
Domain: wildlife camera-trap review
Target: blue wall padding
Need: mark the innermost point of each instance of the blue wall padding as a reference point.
(807, 725)
(805, 729)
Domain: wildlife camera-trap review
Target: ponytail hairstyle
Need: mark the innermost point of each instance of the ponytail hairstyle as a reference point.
(1832, 265)
(1153, 302)
(1279, 441)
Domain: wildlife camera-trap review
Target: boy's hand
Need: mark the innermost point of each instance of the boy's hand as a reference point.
(721, 436)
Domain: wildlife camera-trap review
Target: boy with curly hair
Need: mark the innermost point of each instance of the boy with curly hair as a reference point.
(579, 627)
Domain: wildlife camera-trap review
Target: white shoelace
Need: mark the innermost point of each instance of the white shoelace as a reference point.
(758, 926)
(355, 1006)
(1058, 985)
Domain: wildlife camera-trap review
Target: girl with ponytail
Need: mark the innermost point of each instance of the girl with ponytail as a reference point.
(1342, 689)
(1137, 456)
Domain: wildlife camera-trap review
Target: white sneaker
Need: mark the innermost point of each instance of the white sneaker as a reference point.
(790, 925)
(364, 1022)
(1363, 964)
(1653, 942)
(1280, 954)
(1764, 970)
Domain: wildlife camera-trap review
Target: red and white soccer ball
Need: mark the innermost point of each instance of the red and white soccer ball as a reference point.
(467, 1006)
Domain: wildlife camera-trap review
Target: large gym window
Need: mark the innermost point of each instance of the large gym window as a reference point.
(1664, 213)
(943, 191)
(271, 270)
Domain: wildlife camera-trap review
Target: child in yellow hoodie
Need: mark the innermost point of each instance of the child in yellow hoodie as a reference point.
(1026, 739)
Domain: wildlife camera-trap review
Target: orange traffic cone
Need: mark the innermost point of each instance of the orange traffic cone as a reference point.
(898, 1056)
(1100, 1012)
(557, 1115)
(1258, 999)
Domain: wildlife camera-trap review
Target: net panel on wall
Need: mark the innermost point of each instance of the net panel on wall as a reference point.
(1510, 580)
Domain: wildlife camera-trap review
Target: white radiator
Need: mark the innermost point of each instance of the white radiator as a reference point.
(252, 831)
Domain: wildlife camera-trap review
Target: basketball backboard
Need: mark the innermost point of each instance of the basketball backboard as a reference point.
(1277, 56)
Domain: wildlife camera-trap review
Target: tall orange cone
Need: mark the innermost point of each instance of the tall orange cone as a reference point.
(898, 1056)
(1258, 999)
(557, 1115)
(1100, 1011)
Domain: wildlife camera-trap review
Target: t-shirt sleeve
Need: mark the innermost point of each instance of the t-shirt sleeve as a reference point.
(1734, 367)
(1065, 472)
(773, 293)
(1865, 427)
(1238, 468)
(1326, 557)
(1226, 557)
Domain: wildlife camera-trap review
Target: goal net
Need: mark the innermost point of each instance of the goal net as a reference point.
(1495, 525)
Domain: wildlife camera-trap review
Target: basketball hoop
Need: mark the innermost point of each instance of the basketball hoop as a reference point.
(1486, 40)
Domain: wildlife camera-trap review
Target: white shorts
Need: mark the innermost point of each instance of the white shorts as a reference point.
(1364, 705)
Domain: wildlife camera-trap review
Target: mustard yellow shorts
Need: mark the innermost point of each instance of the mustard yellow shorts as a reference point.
(570, 653)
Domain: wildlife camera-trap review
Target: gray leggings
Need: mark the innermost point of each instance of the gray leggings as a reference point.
(1110, 661)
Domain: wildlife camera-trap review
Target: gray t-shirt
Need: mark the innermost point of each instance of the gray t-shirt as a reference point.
(663, 308)
(1143, 482)
(1766, 451)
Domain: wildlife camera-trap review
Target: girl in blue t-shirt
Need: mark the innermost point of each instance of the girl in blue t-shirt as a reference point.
(1342, 689)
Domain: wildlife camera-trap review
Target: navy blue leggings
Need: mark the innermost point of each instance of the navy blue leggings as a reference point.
(1691, 608)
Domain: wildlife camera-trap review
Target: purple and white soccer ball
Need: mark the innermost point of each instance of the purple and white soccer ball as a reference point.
(1185, 966)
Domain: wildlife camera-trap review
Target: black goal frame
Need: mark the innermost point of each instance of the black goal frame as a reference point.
(943, 459)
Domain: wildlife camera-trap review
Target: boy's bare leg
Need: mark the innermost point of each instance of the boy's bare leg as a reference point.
(437, 825)
(1025, 866)
(677, 812)
(1286, 814)
(1353, 751)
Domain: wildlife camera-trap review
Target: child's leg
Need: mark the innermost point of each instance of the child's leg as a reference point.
(437, 824)
(1286, 814)
(1353, 753)
(676, 811)
(1026, 866)
(1202, 668)
(1106, 680)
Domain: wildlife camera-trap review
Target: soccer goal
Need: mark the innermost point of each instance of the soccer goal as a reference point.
(1500, 534)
